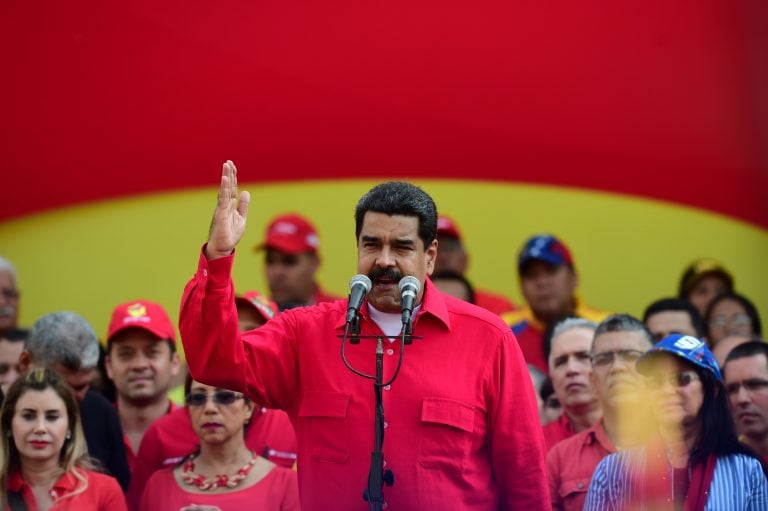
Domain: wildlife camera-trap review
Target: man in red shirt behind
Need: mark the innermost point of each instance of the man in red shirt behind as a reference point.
(462, 428)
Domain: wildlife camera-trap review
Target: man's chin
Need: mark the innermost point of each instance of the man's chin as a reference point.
(384, 303)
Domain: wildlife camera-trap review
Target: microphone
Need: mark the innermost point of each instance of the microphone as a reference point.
(359, 286)
(409, 287)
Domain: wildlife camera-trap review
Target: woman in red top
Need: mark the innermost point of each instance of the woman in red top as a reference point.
(44, 464)
(224, 474)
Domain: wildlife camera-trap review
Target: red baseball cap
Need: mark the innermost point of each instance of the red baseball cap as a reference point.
(265, 307)
(291, 233)
(142, 314)
(447, 227)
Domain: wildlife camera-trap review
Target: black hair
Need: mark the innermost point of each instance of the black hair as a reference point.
(456, 277)
(745, 302)
(748, 349)
(15, 335)
(677, 305)
(624, 323)
(398, 198)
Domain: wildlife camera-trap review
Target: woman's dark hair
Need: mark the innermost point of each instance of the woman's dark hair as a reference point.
(718, 431)
(745, 302)
(398, 198)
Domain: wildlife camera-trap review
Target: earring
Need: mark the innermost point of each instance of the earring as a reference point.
(69, 435)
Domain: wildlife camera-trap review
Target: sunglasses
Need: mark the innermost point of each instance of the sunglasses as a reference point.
(606, 358)
(220, 397)
(677, 380)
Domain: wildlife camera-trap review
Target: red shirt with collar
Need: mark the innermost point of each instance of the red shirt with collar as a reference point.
(170, 438)
(570, 465)
(557, 430)
(462, 427)
(102, 494)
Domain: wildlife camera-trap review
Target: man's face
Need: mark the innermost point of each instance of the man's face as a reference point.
(548, 289)
(141, 366)
(570, 368)
(291, 277)
(614, 374)
(79, 381)
(9, 301)
(10, 351)
(746, 380)
(664, 323)
(389, 248)
(450, 255)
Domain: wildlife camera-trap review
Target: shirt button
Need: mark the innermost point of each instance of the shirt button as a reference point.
(390, 352)
(387, 387)
(580, 486)
(386, 424)
(384, 463)
(384, 505)
(205, 272)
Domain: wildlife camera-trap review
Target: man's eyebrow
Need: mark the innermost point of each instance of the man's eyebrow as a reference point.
(368, 237)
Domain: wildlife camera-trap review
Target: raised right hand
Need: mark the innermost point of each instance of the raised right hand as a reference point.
(228, 224)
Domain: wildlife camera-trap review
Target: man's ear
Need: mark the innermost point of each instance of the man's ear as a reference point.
(25, 361)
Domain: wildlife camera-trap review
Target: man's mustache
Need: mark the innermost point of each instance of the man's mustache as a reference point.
(389, 274)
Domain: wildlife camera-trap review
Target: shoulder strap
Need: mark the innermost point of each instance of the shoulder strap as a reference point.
(16, 502)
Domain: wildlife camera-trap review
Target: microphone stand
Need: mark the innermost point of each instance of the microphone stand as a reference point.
(377, 476)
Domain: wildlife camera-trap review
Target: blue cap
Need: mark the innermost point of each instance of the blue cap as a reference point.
(547, 248)
(686, 347)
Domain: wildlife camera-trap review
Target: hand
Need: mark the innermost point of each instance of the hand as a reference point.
(228, 224)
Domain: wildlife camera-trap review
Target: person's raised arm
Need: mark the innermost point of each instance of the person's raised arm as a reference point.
(228, 224)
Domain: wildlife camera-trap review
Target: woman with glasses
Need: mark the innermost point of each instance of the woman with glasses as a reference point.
(731, 314)
(43, 460)
(694, 462)
(223, 474)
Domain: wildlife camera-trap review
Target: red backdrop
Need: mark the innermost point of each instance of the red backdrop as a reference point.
(102, 98)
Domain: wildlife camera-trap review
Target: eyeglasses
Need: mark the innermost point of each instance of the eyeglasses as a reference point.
(677, 380)
(751, 385)
(220, 397)
(735, 320)
(606, 358)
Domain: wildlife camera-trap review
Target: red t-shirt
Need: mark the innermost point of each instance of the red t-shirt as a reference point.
(277, 491)
(102, 494)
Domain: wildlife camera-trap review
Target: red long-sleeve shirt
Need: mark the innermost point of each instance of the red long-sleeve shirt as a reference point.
(462, 429)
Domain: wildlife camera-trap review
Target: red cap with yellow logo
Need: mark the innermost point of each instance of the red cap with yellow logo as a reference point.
(141, 314)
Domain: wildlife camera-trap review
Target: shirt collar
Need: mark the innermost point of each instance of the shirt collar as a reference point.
(66, 483)
(597, 434)
(432, 304)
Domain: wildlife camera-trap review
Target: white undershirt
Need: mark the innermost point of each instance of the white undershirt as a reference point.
(391, 323)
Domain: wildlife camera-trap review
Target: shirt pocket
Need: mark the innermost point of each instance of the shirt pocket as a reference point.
(323, 419)
(446, 434)
(574, 488)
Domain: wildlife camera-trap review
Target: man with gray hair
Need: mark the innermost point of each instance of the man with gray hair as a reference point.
(619, 341)
(9, 296)
(66, 343)
(570, 371)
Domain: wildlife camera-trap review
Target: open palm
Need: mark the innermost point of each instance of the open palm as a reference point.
(229, 218)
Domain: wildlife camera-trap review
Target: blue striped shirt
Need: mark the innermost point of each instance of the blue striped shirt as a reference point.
(737, 484)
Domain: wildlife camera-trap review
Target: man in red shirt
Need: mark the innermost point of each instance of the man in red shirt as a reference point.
(292, 258)
(141, 361)
(570, 371)
(548, 281)
(618, 342)
(453, 257)
(462, 429)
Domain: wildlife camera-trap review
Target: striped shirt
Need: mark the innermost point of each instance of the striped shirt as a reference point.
(737, 484)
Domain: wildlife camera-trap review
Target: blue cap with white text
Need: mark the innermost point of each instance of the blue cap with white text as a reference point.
(686, 347)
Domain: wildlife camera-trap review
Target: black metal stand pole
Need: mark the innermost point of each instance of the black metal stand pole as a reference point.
(376, 478)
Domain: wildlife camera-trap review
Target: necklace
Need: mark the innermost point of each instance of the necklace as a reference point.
(190, 478)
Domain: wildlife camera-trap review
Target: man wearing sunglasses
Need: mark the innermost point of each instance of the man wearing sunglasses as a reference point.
(461, 421)
(618, 343)
(746, 379)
